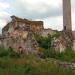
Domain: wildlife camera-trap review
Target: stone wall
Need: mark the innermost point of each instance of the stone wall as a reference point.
(58, 44)
(35, 26)
(19, 34)
(45, 32)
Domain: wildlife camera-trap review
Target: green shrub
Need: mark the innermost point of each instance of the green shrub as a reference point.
(8, 53)
(44, 42)
(57, 34)
(13, 54)
(67, 55)
(3, 52)
(49, 53)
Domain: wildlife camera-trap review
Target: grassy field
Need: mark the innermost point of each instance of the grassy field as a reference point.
(12, 63)
(31, 65)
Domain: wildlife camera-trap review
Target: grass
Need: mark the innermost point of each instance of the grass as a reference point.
(67, 55)
(31, 65)
(12, 64)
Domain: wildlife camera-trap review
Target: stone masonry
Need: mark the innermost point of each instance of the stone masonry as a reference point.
(67, 15)
(19, 34)
(67, 25)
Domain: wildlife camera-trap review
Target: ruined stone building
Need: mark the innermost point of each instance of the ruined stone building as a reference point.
(19, 34)
(16, 23)
(67, 36)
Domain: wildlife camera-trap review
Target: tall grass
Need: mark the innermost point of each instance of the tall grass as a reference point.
(32, 65)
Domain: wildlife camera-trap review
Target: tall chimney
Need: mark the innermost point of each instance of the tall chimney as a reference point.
(67, 25)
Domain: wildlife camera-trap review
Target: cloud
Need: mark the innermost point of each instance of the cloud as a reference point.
(4, 16)
(73, 21)
(2, 23)
(56, 23)
(37, 8)
(50, 11)
(3, 5)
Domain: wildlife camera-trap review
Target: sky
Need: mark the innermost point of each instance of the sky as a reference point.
(49, 11)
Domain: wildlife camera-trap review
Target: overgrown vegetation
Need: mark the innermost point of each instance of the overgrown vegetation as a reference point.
(12, 63)
(48, 52)
(31, 65)
(44, 42)
(5, 53)
(67, 55)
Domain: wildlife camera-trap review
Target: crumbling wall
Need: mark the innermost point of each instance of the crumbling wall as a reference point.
(19, 34)
(58, 44)
(45, 32)
(68, 38)
(35, 26)
(64, 41)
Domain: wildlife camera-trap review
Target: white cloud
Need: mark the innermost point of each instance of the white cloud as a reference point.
(50, 11)
(3, 13)
(32, 9)
(73, 21)
(4, 16)
(54, 23)
(2, 23)
(4, 5)
(37, 8)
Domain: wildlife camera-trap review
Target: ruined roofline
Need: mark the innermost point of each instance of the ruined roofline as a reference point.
(14, 18)
(50, 29)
